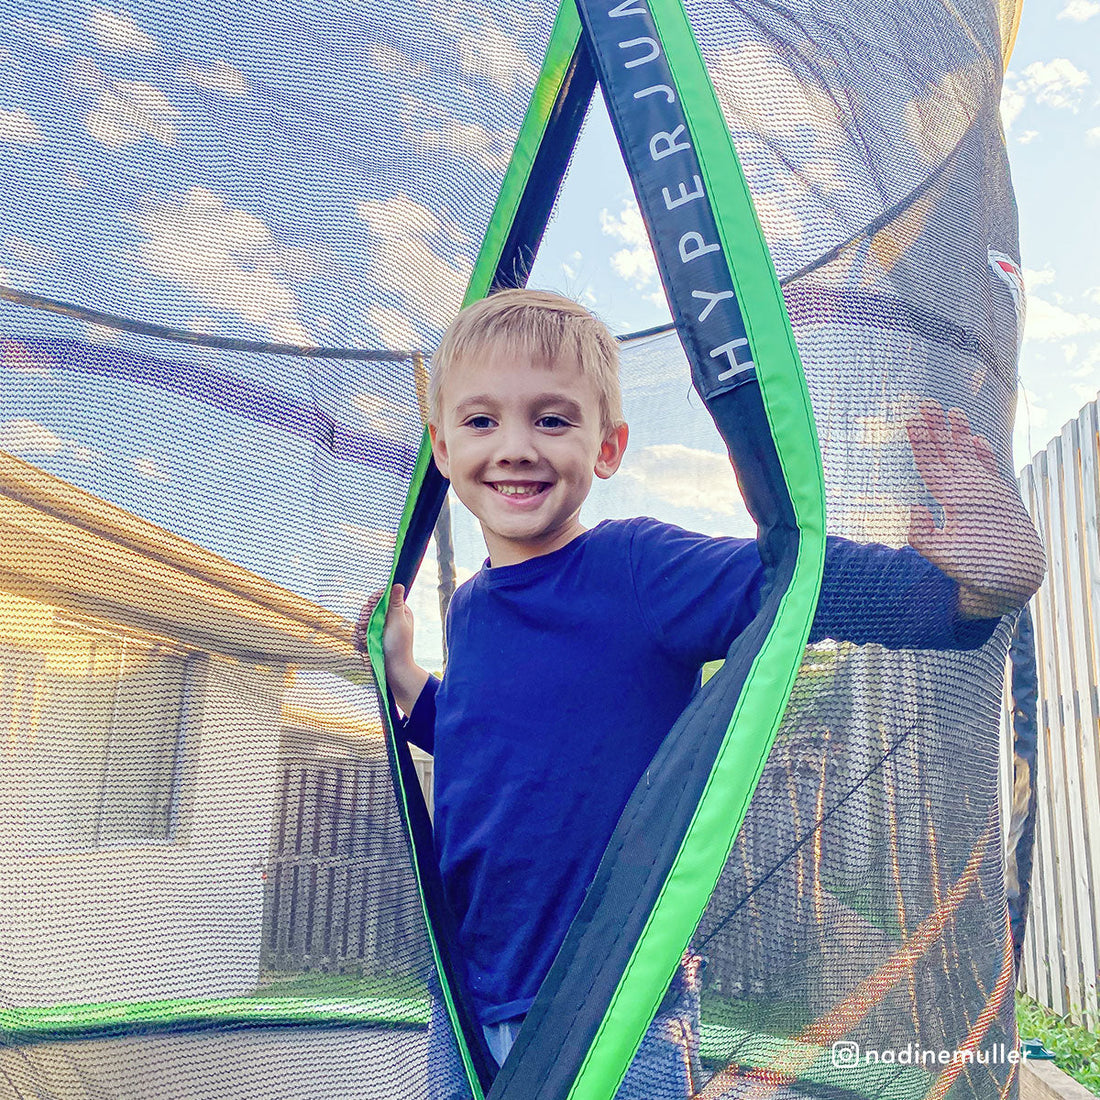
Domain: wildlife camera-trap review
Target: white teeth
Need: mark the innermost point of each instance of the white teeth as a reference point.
(517, 490)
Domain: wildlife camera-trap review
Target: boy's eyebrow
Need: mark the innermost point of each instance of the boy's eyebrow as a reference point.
(481, 400)
(566, 404)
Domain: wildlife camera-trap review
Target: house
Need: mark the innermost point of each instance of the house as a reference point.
(156, 701)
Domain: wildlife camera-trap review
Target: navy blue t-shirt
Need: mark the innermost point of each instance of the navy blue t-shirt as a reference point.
(566, 672)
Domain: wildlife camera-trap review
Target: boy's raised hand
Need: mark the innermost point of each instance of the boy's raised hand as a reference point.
(404, 676)
(987, 543)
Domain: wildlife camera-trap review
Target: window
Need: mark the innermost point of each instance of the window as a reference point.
(96, 736)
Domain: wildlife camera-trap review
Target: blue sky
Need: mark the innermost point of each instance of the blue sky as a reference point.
(344, 211)
(1051, 109)
(1052, 113)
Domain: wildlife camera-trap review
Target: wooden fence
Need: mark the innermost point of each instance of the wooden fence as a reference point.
(1061, 488)
(340, 894)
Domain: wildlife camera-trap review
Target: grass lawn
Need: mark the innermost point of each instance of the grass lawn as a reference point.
(1075, 1049)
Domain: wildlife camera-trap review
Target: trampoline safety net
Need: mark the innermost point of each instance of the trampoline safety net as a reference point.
(231, 239)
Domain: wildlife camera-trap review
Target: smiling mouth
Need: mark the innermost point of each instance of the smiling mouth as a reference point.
(520, 490)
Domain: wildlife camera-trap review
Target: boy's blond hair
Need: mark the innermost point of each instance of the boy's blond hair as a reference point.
(537, 326)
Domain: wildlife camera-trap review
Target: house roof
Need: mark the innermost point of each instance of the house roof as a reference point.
(68, 547)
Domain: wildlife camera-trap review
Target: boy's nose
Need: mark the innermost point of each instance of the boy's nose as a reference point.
(515, 446)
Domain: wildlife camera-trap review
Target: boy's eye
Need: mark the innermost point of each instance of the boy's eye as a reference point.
(479, 422)
(552, 420)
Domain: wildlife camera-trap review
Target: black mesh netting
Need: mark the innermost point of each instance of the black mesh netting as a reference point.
(206, 886)
(205, 883)
(863, 902)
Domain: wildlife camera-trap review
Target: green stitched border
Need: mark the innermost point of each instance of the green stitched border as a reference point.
(564, 37)
(756, 719)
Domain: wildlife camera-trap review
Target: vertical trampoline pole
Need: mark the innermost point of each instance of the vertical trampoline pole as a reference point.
(444, 541)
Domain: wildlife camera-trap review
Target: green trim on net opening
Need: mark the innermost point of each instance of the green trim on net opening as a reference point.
(760, 708)
(88, 1021)
(73, 1023)
(564, 39)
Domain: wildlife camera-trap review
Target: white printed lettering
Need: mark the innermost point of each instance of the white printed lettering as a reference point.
(627, 8)
(711, 299)
(654, 50)
(685, 194)
(727, 350)
(670, 95)
(692, 245)
(663, 144)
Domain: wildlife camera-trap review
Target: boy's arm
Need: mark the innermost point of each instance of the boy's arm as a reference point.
(987, 543)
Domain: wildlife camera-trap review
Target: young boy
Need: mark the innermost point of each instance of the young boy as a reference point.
(573, 651)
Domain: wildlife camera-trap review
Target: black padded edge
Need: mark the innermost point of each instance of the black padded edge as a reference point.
(577, 993)
(520, 246)
(422, 851)
(1025, 747)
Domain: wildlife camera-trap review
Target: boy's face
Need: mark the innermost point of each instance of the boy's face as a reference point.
(520, 443)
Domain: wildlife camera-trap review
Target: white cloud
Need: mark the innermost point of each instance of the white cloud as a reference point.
(149, 469)
(1047, 321)
(382, 415)
(941, 114)
(128, 111)
(409, 245)
(1013, 101)
(823, 174)
(492, 55)
(387, 59)
(686, 477)
(1079, 10)
(102, 334)
(19, 128)
(492, 150)
(1027, 137)
(226, 258)
(219, 76)
(117, 31)
(1092, 137)
(393, 328)
(1058, 83)
(433, 130)
(1037, 278)
(777, 218)
(756, 64)
(28, 438)
(635, 263)
(377, 540)
(1070, 352)
(47, 36)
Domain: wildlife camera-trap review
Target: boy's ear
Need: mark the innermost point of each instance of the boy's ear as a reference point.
(611, 451)
(439, 450)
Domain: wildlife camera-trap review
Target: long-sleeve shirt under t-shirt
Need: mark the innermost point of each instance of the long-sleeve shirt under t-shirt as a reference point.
(566, 672)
